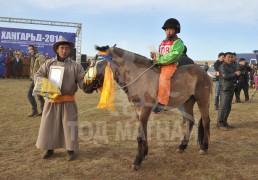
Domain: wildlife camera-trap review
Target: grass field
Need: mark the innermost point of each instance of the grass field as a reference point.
(232, 154)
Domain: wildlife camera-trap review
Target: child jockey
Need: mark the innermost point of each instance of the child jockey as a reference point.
(170, 50)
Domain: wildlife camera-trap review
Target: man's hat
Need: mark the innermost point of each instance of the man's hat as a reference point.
(60, 41)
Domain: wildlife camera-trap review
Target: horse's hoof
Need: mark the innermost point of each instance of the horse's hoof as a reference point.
(179, 150)
(203, 152)
(144, 157)
(135, 167)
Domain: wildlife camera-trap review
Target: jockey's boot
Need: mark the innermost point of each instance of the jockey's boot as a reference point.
(159, 107)
(71, 155)
(48, 154)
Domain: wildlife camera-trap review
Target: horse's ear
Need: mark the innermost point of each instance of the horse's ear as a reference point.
(102, 48)
(110, 49)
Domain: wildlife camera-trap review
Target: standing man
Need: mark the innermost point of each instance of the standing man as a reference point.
(37, 59)
(47, 56)
(234, 63)
(17, 65)
(251, 76)
(216, 67)
(170, 50)
(227, 80)
(59, 122)
(2, 63)
(8, 65)
(242, 80)
(26, 66)
(206, 67)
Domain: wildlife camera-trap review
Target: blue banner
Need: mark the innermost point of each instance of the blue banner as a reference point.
(12, 39)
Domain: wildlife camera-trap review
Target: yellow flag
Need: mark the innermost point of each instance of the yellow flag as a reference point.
(108, 89)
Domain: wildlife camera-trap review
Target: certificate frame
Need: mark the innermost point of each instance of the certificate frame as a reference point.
(56, 75)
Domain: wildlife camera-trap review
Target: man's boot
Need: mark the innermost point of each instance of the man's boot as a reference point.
(238, 101)
(48, 154)
(34, 113)
(71, 155)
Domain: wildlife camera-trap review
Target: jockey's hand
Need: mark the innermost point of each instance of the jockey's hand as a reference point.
(153, 56)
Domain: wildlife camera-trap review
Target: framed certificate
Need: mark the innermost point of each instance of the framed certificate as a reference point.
(56, 75)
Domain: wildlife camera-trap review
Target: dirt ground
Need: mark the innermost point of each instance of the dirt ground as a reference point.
(108, 142)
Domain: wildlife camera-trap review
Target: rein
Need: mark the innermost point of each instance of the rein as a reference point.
(108, 58)
(130, 83)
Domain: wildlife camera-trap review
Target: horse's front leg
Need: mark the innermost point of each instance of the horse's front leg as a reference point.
(142, 150)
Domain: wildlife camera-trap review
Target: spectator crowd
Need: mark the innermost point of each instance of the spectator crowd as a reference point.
(15, 63)
(232, 76)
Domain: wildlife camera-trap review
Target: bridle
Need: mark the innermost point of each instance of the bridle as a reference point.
(99, 80)
(99, 84)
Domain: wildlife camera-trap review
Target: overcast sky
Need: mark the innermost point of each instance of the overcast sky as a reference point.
(207, 26)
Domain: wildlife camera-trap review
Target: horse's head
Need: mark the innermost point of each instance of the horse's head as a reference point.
(96, 71)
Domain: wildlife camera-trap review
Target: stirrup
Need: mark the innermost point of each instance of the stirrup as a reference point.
(159, 107)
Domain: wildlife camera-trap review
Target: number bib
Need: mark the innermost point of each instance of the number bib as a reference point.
(164, 47)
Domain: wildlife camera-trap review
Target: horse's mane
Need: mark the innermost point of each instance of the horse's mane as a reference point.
(130, 56)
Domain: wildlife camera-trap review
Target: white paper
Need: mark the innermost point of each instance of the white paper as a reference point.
(153, 49)
(56, 76)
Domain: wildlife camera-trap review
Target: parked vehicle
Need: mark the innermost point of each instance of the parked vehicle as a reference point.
(253, 61)
(201, 66)
(250, 58)
(211, 72)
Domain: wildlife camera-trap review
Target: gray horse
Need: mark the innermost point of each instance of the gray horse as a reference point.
(139, 79)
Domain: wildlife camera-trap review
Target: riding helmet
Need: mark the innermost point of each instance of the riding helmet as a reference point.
(172, 23)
